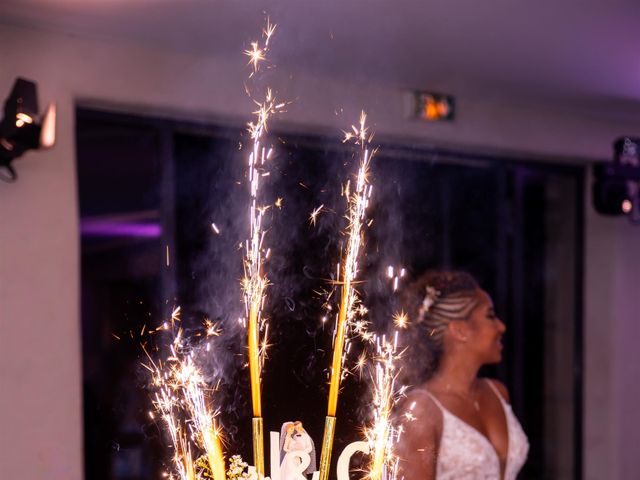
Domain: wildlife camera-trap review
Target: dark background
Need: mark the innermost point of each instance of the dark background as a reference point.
(430, 208)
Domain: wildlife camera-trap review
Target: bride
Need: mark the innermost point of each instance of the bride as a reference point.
(293, 441)
(464, 428)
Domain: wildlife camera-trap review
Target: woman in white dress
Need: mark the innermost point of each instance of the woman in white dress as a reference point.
(464, 428)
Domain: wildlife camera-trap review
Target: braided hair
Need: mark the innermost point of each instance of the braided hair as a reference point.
(432, 301)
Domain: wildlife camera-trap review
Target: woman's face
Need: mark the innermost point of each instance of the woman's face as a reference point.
(485, 330)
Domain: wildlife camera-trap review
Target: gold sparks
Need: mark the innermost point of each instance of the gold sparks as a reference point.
(279, 202)
(361, 363)
(383, 433)
(358, 133)
(183, 402)
(211, 329)
(268, 31)
(359, 327)
(256, 55)
(266, 108)
(357, 203)
(255, 281)
(314, 215)
(351, 310)
(258, 51)
(401, 319)
(395, 275)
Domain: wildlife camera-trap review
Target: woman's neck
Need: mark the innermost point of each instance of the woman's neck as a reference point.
(455, 375)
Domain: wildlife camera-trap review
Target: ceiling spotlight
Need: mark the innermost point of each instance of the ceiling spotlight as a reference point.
(22, 127)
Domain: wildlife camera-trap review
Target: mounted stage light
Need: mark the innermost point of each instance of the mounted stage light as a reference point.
(22, 128)
(616, 190)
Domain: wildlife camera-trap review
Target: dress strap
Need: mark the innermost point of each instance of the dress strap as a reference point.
(433, 399)
(495, 389)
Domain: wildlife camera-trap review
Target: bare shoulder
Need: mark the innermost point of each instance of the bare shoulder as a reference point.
(420, 403)
(418, 446)
(502, 389)
(421, 415)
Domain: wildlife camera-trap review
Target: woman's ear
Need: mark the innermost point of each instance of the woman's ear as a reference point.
(459, 330)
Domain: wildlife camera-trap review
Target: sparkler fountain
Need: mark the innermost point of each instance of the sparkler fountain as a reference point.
(383, 433)
(357, 204)
(182, 397)
(183, 403)
(255, 282)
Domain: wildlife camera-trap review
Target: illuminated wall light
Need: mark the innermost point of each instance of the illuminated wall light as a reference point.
(24, 118)
(434, 106)
(23, 128)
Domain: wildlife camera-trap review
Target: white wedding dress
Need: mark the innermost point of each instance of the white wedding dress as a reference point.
(466, 454)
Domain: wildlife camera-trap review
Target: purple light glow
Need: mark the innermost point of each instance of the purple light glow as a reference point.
(105, 228)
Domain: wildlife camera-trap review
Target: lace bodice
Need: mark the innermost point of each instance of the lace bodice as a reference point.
(466, 454)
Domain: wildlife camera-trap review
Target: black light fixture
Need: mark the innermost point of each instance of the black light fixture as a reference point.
(22, 127)
(616, 189)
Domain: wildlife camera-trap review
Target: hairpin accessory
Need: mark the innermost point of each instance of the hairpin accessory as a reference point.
(429, 299)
